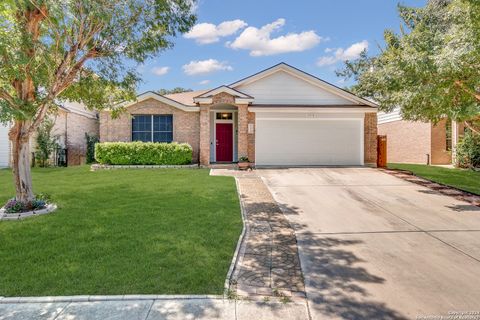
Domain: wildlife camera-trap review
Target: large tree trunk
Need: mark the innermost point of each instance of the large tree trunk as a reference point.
(21, 162)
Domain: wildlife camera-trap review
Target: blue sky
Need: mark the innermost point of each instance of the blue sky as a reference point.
(313, 35)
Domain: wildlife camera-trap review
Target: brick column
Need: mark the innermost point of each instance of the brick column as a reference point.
(242, 130)
(370, 139)
(204, 135)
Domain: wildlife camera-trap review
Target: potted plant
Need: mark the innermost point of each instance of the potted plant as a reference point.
(243, 163)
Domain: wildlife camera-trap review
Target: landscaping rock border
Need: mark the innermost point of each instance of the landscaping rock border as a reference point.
(22, 215)
(441, 188)
(96, 167)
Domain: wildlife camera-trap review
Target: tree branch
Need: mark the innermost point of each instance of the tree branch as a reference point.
(7, 97)
(462, 86)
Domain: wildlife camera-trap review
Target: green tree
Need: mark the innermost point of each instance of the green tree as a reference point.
(430, 70)
(46, 142)
(75, 50)
(174, 90)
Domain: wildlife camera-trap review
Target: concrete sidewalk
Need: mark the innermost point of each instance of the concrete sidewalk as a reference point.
(151, 309)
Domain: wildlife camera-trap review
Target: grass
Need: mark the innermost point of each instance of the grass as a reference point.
(166, 231)
(467, 180)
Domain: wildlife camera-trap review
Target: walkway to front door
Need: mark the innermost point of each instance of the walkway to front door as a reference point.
(268, 263)
(224, 134)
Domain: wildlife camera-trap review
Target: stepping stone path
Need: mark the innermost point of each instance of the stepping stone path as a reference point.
(268, 262)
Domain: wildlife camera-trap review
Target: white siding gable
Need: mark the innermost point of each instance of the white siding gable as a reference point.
(390, 116)
(283, 87)
(4, 146)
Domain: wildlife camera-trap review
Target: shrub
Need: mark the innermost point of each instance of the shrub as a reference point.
(468, 151)
(91, 141)
(46, 142)
(143, 153)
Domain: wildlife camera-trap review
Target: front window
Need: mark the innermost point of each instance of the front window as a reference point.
(152, 128)
(448, 135)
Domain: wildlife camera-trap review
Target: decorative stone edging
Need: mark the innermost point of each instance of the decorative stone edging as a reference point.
(240, 243)
(441, 188)
(22, 215)
(95, 167)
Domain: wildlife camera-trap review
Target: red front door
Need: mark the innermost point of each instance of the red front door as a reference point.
(224, 142)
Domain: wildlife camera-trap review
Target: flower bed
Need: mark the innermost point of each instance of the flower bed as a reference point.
(14, 209)
(21, 215)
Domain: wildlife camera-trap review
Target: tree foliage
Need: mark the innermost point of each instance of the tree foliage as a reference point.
(431, 69)
(78, 50)
(174, 90)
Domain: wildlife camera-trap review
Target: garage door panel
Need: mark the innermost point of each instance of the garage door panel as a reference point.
(309, 142)
(4, 146)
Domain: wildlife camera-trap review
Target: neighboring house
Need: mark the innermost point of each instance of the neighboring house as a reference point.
(72, 121)
(418, 142)
(279, 116)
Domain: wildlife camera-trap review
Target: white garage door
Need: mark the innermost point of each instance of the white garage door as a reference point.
(4, 146)
(303, 141)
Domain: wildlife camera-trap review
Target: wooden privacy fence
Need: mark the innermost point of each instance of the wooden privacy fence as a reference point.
(381, 151)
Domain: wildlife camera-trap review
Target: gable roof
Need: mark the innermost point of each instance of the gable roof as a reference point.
(186, 97)
(239, 96)
(306, 77)
(153, 95)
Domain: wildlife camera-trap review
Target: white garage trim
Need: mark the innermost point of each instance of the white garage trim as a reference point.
(4, 146)
(356, 118)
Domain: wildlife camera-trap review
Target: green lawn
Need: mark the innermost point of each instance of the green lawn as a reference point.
(467, 180)
(166, 231)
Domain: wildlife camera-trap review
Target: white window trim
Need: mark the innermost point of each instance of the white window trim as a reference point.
(151, 126)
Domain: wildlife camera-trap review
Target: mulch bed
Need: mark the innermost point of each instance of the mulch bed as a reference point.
(438, 187)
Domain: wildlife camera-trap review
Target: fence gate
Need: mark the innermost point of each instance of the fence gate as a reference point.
(381, 151)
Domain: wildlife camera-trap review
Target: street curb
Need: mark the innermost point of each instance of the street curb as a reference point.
(96, 298)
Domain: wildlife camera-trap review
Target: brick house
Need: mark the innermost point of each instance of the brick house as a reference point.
(72, 121)
(419, 142)
(280, 116)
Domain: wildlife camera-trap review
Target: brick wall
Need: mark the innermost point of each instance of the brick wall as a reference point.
(204, 133)
(242, 131)
(440, 155)
(251, 138)
(370, 139)
(77, 126)
(186, 125)
(223, 97)
(407, 141)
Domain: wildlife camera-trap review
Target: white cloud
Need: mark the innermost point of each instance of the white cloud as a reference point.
(260, 43)
(205, 33)
(204, 82)
(341, 54)
(205, 66)
(160, 71)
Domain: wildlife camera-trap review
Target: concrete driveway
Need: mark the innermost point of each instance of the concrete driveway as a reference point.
(373, 246)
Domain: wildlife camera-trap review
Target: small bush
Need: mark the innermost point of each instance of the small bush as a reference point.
(143, 153)
(91, 141)
(468, 151)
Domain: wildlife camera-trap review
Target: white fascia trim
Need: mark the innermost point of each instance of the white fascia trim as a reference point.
(158, 97)
(225, 89)
(210, 100)
(307, 77)
(244, 100)
(313, 110)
